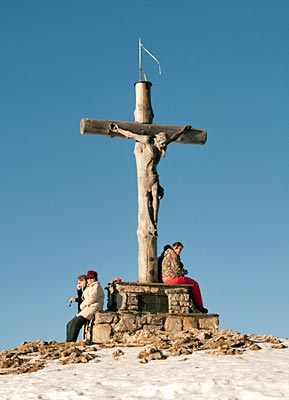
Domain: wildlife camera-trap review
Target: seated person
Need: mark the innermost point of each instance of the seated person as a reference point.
(92, 301)
(160, 261)
(81, 285)
(173, 273)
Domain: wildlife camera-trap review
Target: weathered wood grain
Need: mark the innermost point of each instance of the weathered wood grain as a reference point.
(101, 127)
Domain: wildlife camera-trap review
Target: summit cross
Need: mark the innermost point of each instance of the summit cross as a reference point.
(151, 141)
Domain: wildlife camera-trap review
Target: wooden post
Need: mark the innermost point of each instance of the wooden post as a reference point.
(143, 112)
(147, 243)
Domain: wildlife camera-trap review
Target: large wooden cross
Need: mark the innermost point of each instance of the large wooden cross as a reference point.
(151, 141)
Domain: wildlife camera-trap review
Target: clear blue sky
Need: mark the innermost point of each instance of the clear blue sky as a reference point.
(69, 202)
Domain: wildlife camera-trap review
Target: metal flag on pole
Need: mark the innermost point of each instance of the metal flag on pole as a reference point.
(140, 47)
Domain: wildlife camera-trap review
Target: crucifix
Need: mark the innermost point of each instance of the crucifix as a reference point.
(151, 141)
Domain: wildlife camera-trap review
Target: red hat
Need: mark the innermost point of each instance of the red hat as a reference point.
(91, 274)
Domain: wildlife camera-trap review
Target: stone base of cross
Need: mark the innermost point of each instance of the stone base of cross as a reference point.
(151, 141)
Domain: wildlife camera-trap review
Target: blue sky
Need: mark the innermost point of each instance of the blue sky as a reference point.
(69, 202)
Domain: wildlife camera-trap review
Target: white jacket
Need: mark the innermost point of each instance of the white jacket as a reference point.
(93, 299)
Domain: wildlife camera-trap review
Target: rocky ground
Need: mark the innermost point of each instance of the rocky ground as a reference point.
(30, 357)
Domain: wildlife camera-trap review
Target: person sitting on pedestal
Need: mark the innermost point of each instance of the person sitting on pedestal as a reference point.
(92, 301)
(173, 272)
(160, 261)
(81, 285)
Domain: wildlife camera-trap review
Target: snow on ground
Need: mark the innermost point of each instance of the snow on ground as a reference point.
(254, 375)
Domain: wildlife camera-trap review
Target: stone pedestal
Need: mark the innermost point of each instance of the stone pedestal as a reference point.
(143, 327)
(137, 312)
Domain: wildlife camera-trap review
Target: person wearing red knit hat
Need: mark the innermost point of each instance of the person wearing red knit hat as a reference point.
(92, 301)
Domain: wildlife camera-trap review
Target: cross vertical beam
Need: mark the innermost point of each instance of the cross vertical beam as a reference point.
(147, 241)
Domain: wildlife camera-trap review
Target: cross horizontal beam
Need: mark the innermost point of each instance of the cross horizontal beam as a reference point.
(102, 127)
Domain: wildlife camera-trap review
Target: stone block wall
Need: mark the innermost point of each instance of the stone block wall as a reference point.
(136, 327)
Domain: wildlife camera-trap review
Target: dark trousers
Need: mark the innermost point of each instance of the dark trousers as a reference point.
(73, 328)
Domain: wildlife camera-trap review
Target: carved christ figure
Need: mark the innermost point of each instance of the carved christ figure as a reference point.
(148, 151)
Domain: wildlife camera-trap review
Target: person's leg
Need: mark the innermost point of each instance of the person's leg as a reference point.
(73, 328)
(195, 290)
(173, 281)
